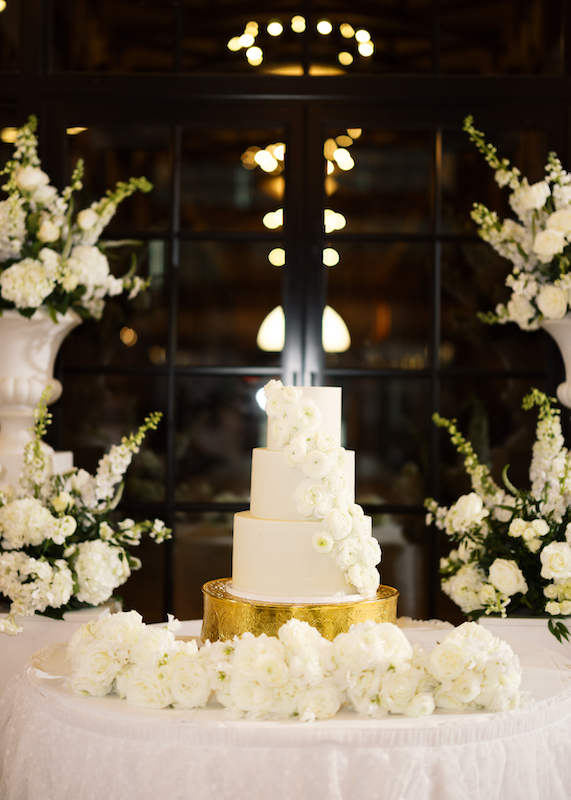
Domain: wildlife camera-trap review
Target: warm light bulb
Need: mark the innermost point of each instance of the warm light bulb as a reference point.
(329, 149)
(234, 44)
(252, 28)
(277, 257)
(330, 257)
(246, 40)
(128, 336)
(255, 56)
(279, 151)
(345, 58)
(324, 27)
(343, 140)
(74, 131)
(366, 49)
(346, 30)
(354, 133)
(8, 135)
(335, 336)
(275, 28)
(298, 24)
(362, 35)
(2, 5)
(265, 160)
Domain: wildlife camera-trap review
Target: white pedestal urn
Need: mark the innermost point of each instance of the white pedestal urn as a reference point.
(560, 331)
(28, 349)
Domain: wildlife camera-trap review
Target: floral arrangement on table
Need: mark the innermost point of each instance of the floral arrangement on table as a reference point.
(297, 426)
(297, 674)
(50, 255)
(58, 548)
(537, 244)
(513, 547)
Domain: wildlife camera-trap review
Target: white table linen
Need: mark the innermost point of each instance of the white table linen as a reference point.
(57, 746)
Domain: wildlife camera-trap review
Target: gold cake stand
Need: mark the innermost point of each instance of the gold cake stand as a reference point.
(226, 615)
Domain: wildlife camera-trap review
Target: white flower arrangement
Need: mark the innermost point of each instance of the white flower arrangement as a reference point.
(298, 674)
(297, 425)
(537, 244)
(58, 549)
(49, 256)
(513, 547)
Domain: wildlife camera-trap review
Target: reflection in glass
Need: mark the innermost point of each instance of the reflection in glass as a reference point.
(115, 153)
(379, 181)
(226, 289)
(382, 292)
(232, 179)
(9, 36)
(113, 35)
(218, 423)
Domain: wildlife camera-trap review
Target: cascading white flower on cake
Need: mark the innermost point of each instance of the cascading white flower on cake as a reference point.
(48, 256)
(513, 547)
(297, 426)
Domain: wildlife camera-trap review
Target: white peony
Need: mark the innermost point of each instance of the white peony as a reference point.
(552, 302)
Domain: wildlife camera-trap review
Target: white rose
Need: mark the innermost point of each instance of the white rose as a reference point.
(48, 232)
(552, 302)
(507, 577)
(517, 527)
(421, 705)
(87, 218)
(556, 561)
(147, 687)
(295, 633)
(467, 512)
(487, 595)
(520, 310)
(399, 687)
(96, 669)
(448, 660)
(548, 243)
(28, 179)
(560, 220)
(249, 695)
(553, 608)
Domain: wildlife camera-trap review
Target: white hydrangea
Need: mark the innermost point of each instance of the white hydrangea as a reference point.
(12, 229)
(100, 567)
(27, 283)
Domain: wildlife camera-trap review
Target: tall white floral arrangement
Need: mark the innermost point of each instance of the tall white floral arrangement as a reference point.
(537, 242)
(59, 549)
(50, 253)
(512, 548)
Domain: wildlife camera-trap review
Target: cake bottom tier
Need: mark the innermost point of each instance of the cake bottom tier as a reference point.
(226, 615)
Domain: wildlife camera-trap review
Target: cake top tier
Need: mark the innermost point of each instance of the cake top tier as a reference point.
(321, 402)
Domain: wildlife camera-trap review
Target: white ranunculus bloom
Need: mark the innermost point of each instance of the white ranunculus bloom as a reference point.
(282, 429)
(96, 670)
(315, 464)
(552, 302)
(312, 499)
(305, 414)
(320, 702)
(295, 633)
(146, 687)
(421, 705)
(339, 523)
(556, 561)
(399, 686)
(249, 695)
(29, 179)
(507, 577)
(293, 455)
(322, 541)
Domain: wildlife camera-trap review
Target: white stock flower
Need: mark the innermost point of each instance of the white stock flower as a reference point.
(463, 588)
(507, 577)
(529, 198)
(556, 561)
(552, 302)
(520, 310)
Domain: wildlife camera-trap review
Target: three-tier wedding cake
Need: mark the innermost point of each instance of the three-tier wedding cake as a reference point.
(305, 548)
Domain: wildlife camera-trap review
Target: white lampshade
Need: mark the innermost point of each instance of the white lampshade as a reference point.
(335, 334)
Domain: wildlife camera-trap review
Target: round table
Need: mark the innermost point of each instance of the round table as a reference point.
(55, 745)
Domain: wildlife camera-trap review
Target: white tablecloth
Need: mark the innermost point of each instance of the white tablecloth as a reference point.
(56, 746)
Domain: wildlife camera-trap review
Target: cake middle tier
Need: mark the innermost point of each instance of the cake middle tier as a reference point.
(276, 558)
(274, 484)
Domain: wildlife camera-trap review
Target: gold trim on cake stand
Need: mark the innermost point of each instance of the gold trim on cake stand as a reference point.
(226, 615)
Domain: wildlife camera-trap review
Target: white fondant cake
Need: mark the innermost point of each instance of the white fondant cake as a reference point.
(304, 538)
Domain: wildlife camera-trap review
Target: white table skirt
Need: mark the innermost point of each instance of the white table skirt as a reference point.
(56, 746)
